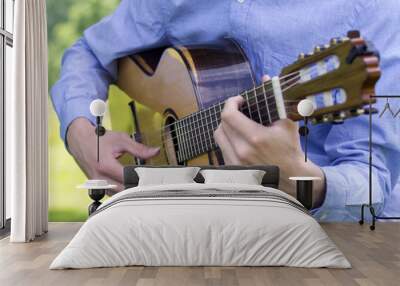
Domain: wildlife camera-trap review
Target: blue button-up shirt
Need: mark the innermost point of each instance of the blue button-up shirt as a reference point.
(272, 33)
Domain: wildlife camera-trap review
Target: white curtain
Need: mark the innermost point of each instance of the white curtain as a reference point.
(26, 124)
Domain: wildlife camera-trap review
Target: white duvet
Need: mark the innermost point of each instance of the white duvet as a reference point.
(183, 231)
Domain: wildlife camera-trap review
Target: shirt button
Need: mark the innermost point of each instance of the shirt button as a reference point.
(240, 1)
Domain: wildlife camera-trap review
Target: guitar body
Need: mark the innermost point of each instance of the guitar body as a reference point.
(178, 92)
(171, 83)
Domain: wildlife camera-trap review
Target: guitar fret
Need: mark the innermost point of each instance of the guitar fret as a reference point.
(189, 134)
(210, 127)
(248, 104)
(202, 133)
(263, 106)
(175, 124)
(197, 135)
(266, 103)
(218, 116)
(258, 107)
(215, 120)
(185, 141)
(195, 132)
(207, 127)
(253, 107)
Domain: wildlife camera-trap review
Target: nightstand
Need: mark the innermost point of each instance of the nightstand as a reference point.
(304, 187)
(96, 190)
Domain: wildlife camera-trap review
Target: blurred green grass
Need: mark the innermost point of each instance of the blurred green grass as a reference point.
(66, 203)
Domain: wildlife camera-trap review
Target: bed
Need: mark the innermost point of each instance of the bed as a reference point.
(201, 224)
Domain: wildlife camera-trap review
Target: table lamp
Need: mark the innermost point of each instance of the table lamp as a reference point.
(98, 108)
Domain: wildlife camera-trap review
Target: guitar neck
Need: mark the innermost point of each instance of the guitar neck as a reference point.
(194, 133)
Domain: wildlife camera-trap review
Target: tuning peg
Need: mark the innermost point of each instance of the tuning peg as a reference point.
(339, 117)
(373, 110)
(316, 120)
(344, 39)
(338, 121)
(301, 56)
(318, 49)
(361, 111)
(353, 112)
(327, 118)
(335, 41)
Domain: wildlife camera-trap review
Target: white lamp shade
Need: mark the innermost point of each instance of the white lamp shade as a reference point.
(97, 107)
(305, 108)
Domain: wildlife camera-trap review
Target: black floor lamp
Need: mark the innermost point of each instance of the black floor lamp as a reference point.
(371, 110)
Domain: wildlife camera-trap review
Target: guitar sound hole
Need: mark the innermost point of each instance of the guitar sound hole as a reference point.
(171, 142)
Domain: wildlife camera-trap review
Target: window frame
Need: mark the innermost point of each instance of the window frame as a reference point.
(6, 39)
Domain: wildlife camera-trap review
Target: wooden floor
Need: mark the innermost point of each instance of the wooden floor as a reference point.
(375, 257)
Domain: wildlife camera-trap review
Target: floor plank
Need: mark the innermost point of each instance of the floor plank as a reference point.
(375, 257)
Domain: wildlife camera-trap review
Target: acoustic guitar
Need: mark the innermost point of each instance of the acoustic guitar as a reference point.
(179, 92)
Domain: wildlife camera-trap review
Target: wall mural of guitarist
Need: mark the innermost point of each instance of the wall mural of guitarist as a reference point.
(196, 97)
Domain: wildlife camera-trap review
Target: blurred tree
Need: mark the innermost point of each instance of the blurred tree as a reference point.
(67, 20)
(56, 13)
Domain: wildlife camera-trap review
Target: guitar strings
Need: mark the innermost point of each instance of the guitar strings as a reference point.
(202, 125)
(198, 128)
(190, 151)
(242, 108)
(183, 153)
(190, 145)
(298, 78)
(193, 130)
(252, 90)
(249, 96)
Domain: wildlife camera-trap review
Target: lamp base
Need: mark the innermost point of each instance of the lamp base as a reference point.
(304, 192)
(96, 195)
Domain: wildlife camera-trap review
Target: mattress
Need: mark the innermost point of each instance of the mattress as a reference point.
(201, 225)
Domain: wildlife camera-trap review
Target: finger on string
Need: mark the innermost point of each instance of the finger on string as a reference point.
(200, 127)
(237, 121)
(234, 102)
(227, 150)
(251, 105)
(266, 78)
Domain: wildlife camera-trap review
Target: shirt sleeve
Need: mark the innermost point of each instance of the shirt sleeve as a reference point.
(347, 177)
(89, 66)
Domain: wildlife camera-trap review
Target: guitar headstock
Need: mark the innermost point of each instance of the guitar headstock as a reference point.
(339, 78)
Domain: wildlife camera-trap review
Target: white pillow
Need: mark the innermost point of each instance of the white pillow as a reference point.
(163, 176)
(248, 177)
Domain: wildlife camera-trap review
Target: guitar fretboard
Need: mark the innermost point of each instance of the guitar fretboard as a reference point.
(194, 134)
